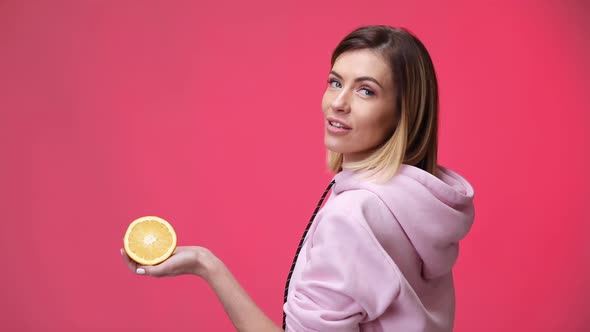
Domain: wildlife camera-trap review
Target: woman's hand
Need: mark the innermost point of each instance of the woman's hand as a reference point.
(241, 309)
(185, 260)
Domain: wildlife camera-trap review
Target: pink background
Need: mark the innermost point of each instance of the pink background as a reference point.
(208, 114)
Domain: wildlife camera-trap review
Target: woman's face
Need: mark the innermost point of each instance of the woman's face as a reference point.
(358, 105)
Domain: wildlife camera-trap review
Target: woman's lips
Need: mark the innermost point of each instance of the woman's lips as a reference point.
(336, 130)
(342, 123)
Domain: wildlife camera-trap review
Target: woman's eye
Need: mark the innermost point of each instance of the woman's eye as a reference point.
(334, 84)
(367, 92)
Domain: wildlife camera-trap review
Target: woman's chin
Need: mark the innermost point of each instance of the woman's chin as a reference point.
(333, 148)
(333, 145)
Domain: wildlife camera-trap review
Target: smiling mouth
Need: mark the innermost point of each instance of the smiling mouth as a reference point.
(337, 125)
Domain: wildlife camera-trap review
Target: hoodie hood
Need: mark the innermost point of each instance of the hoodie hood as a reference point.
(435, 212)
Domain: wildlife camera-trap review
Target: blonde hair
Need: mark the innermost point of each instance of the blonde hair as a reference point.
(415, 139)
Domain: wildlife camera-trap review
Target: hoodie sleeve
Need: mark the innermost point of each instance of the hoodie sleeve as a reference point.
(348, 278)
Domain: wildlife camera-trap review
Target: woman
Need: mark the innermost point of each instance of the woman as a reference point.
(379, 254)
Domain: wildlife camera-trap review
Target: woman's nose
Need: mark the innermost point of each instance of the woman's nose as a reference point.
(341, 102)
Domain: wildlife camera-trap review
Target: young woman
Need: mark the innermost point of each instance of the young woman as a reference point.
(379, 254)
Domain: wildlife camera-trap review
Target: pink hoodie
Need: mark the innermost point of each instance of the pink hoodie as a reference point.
(379, 257)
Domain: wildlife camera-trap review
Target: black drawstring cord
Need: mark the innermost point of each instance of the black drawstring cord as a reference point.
(301, 244)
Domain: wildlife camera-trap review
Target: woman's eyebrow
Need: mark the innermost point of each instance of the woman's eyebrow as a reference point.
(359, 79)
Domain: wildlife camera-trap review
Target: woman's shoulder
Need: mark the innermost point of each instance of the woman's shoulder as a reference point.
(361, 209)
(354, 201)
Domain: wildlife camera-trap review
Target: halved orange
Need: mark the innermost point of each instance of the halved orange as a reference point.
(149, 240)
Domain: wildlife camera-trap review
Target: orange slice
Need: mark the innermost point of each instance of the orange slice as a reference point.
(149, 240)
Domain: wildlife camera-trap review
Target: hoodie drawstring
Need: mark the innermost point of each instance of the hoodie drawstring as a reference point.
(301, 245)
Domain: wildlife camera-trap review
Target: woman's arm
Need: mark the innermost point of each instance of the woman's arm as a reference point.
(241, 309)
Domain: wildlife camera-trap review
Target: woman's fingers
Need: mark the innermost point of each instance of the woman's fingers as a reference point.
(128, 261)
(183, 261)
(179, 263)
(153, 271)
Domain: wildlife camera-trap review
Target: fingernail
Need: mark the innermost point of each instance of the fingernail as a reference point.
(140, 271)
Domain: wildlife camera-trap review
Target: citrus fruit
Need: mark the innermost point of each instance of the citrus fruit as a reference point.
(149, 240)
